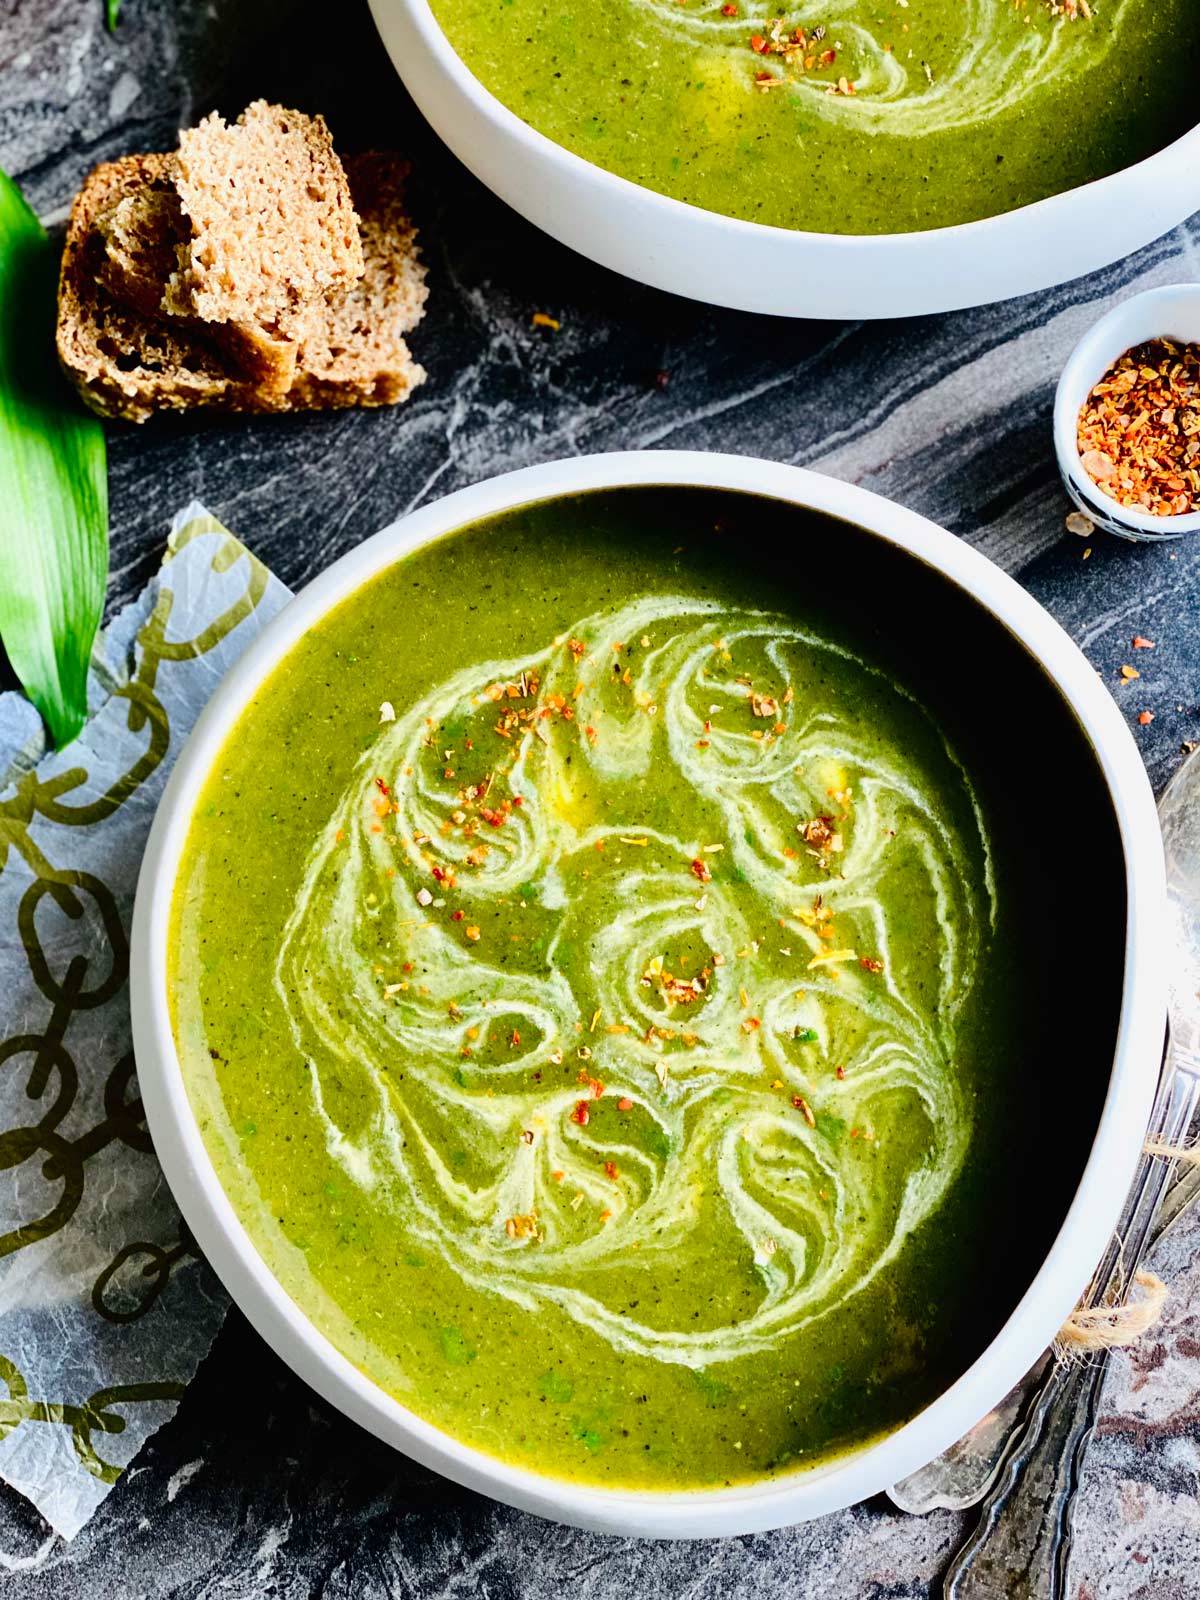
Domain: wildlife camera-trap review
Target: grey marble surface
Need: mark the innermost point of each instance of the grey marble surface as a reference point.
(256, 1488)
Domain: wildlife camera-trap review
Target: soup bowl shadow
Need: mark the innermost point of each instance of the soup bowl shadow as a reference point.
(1010, 682)
(749, 266)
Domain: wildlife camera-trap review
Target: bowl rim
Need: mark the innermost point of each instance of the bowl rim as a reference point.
(1185, 149)
(1132, 1079)
(1091, 358)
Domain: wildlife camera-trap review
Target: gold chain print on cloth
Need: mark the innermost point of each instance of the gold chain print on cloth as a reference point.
(89, 1238)
(653, 1068)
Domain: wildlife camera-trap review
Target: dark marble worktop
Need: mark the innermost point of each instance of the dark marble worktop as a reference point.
(256, 1488)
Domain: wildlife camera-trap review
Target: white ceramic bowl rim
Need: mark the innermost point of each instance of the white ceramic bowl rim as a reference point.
(673, 245)
(1091, 1216)
(1123, 327)
(526, 134)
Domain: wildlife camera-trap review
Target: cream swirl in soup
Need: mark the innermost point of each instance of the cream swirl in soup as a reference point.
(632, 1067)
(628, 966)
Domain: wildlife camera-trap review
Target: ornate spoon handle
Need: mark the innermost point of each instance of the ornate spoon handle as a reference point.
(1021, 1547)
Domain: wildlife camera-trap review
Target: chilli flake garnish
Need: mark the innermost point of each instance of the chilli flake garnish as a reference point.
(797, 48)
(1138, 431)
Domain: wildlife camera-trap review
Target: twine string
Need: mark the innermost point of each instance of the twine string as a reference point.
(1112, 1327)
(1120, 1324)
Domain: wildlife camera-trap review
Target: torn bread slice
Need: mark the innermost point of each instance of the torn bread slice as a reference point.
(356, 354)
(144, 233)
(271, 225)
(129, 365)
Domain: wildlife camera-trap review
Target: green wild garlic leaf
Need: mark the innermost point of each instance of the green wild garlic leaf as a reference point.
(53, 486)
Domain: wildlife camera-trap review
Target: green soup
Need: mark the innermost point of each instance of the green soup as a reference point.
(874, 116)
(602, 985)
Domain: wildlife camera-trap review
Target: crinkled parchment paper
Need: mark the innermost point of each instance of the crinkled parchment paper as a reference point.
(105, 1309)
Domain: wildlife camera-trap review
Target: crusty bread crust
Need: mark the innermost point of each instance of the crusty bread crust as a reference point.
(123, 363)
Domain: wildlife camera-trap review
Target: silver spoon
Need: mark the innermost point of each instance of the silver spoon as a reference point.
(1026, 1456)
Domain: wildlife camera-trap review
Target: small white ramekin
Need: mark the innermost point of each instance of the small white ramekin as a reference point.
(1172, 312)
(783, 271)
(1131, 1076)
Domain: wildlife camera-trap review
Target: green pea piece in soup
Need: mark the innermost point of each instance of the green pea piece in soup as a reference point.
(600, 981)
(866, 116)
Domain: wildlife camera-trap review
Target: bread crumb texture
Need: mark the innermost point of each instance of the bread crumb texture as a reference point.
(357, 354)
(271, 219)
